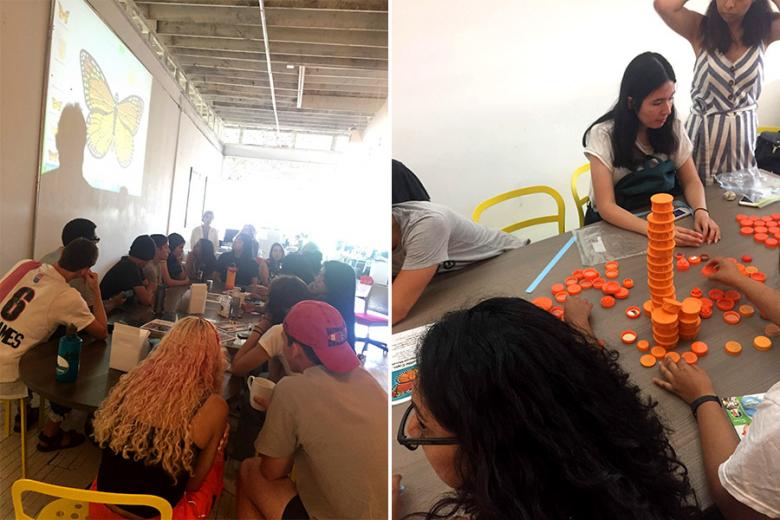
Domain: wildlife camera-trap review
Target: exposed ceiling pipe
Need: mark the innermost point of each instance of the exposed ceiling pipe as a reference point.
(268, 63)
(301, 75)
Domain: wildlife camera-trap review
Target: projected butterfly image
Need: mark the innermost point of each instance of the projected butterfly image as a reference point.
(111, 123)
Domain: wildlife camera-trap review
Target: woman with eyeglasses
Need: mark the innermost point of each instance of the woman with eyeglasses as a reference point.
(525, 417)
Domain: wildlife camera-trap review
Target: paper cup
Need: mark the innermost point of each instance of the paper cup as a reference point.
(259, 387)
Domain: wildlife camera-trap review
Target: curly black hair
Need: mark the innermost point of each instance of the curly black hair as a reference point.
(548, 424)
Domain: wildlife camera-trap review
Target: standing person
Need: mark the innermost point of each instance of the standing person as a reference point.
(128, 275)
(205, 231)
(330, 421)
(247, 270)
(639, 148)
(743, 476)
(729, 42)
(35, 299)
(201, 263)
(335, 284)
(172, 445)
(498, 410)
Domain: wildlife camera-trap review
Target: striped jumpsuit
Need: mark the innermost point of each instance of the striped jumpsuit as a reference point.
(722, 124)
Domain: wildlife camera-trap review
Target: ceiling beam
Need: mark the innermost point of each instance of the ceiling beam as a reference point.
(275, 34)
(350, 5)
(275, 16)
(255, 46)
(283, 60)
(287, 82)
(278, 56)
(207, 90)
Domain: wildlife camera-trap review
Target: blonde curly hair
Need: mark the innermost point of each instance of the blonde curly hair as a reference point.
(147, 414)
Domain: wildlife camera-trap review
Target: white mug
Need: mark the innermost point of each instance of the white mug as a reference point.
(259, 387)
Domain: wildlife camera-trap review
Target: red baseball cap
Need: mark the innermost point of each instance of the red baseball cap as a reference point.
(320, 327)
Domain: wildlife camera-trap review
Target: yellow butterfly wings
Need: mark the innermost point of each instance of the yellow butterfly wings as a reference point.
(109, 122)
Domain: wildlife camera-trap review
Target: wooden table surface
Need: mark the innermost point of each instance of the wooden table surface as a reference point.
(38, 366)
(511, 273)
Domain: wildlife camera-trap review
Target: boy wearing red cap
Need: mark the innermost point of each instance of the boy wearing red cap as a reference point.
(330, 421)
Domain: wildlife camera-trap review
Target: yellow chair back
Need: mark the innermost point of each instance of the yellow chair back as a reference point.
(74, 503)
(579, 202)
(768, 129)
(559, 217)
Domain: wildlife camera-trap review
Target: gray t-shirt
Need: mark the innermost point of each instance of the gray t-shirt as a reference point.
(432, 234)
(335, 425)
(80, 284)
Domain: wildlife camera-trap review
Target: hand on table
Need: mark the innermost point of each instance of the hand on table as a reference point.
(709, 230)
(576, 312)
(685, 237)
(396, 496)
(725, 272)
(688, 382)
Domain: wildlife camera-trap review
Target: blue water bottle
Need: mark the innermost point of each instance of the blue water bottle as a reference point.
(68, 356)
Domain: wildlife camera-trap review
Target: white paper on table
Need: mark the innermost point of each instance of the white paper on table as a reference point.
(128, 347)
(198, 293)
(404, 363)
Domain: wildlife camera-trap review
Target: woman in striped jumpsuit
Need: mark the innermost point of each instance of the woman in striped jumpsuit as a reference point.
(729, 42)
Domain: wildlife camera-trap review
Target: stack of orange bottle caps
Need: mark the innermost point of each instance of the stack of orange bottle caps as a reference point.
(660, 249)
(690, 321)
(666, 321)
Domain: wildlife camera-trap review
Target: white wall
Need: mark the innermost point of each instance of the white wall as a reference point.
(498, 94)
(23, 52)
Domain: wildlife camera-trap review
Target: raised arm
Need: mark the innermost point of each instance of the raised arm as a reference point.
(681, 20)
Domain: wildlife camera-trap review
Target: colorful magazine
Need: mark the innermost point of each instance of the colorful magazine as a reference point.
(741, 411)
(404, 360)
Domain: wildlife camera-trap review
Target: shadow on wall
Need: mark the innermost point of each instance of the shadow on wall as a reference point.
(64, 194)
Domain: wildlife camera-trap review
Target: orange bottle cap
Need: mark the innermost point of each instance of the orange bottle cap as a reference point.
(691, 306)
(628, 337)
(633, 312)
(557, 287)
(760, 237)
(762, 343)
(732, 294)
(759, 277)
(715, 294)
(658, 352)
(694, 260)
(574, 289)
(577, 273)
(709, 270)
(585, 283)
(543, 302)
(612, 273)
(647, 360)
(699, 348)
(557, 312)
(746, 310)
(590, 273)
(648, 307)
(622, 293)
(561, 296)
(612, 265)
(611, 287)
(706, 312)
(608, 302)
(733, 348)
(643, 345)
(760, 230)
(747, 259)
(690, 357)
(661, 199)
(696, 292)
(674, 356)
(751, 269)
(628, 283)
(683, 265)
(725, 304)
(771, 243)
(570, 280)
(731, 317)
(745, 230)
(598, 283)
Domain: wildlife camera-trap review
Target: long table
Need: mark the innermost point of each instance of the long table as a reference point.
(511, 273)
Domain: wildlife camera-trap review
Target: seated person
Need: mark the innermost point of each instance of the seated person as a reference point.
(36, 299)
(499, 411)
(156, 270)
(76, 228)
(274, 261)
(201, 263)
(163, 426)
(127, 274)
(295, 264)
(330, 421)
(175, 259)
(743, 476)
(430, 238)
(335, 284)
(311, 252)
(640, 148)
(240, 257)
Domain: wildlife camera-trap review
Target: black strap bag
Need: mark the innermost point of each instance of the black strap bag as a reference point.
(768, 151)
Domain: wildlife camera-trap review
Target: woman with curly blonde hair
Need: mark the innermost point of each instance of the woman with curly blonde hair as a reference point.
(162, 427)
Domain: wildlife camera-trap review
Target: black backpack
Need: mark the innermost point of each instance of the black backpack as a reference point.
(768, 151)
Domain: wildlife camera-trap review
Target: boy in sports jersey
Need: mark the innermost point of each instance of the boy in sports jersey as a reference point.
(35, 299)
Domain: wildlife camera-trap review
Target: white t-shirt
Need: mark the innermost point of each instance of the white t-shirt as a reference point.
(273, 342)
(752, 473)
(32, 311)
(197, 234)
(77, 283)
(599, 145)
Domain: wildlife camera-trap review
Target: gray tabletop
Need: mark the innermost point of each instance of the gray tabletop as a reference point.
(512, 272)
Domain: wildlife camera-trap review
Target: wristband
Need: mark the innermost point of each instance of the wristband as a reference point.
(701, 209)
(703, 399)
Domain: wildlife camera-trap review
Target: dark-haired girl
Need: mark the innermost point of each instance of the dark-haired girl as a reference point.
(528, 418)
(729, 41)
(336, 284)
(639, 148)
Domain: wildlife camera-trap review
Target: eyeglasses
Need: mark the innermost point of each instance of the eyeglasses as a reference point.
(411, 443)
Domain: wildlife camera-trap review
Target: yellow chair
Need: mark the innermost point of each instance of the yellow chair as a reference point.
(23, 425)
(560, 217)
(74, 503)
(768, 129)
(579, 202)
